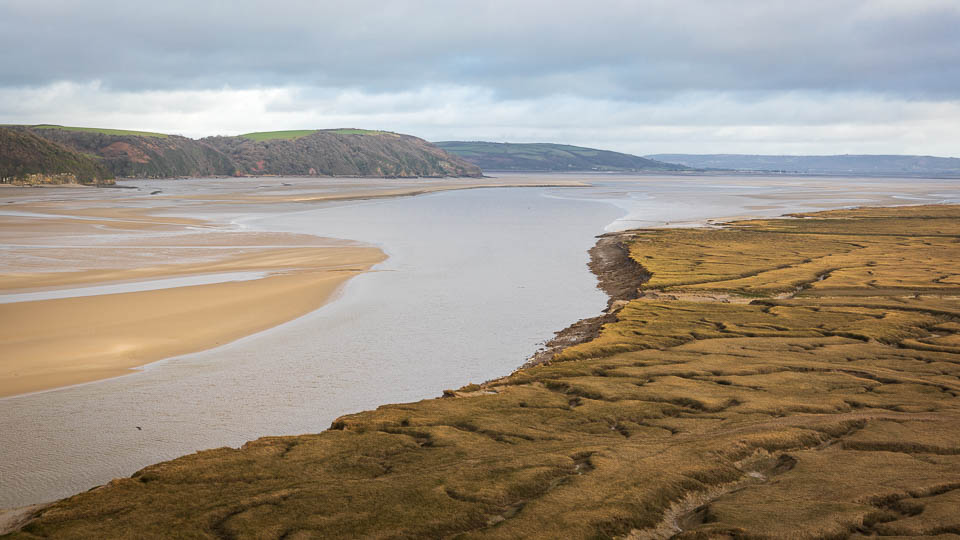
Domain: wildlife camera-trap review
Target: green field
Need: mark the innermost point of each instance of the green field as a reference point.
(297, 133)
(274, 135)
(101, 130)
(353, 131)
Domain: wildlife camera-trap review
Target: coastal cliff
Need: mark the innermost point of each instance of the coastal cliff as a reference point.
(138, 154)
(142, 154)
(340, 152)
(778, 377)
(26, 158)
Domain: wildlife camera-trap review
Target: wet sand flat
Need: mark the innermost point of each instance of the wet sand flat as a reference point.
(58, 247)
(377, 191)
(132, 264)
(51, 343)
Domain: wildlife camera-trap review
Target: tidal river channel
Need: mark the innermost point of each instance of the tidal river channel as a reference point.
(475, 281)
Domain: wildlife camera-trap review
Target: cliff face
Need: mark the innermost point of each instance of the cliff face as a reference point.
(341, 153)
(145, 156)
(27, 158)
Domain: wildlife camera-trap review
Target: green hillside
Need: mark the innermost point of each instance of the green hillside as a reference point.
(27, 158)
(141, 154)
(339, 152)
(550, 157)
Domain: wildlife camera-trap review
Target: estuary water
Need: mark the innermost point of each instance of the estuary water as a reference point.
(476, 280)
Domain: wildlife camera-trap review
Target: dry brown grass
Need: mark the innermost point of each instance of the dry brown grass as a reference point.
(831, 411)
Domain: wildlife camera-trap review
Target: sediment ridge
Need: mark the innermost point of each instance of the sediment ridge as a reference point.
(708, 407)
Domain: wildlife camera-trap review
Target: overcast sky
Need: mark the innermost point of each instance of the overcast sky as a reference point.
(712, 76)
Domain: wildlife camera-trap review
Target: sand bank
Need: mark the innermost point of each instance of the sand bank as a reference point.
(363, 193)
(63, 244)
(117, 263)
(52, 343)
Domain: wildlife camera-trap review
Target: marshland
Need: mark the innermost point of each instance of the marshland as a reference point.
(728, 356)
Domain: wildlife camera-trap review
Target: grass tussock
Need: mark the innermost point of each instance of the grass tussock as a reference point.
(820, 400)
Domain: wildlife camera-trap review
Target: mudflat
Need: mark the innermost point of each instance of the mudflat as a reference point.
(57, 342)
(781, 377)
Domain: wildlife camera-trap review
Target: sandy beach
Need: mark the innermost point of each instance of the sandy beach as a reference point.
(52, 343)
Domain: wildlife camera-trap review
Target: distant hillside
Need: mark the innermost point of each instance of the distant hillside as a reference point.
(334, 152)
(138, 154)
(844, 164)
(339, 152)
(549, 157)
(27, 158)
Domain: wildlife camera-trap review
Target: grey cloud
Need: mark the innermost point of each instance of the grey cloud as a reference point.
(606, 49)
(803, 122)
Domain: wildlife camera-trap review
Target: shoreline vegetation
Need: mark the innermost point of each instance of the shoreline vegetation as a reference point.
(772, 378)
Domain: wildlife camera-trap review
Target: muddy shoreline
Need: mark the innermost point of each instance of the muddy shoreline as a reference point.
(13, 519)
(618, 275)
